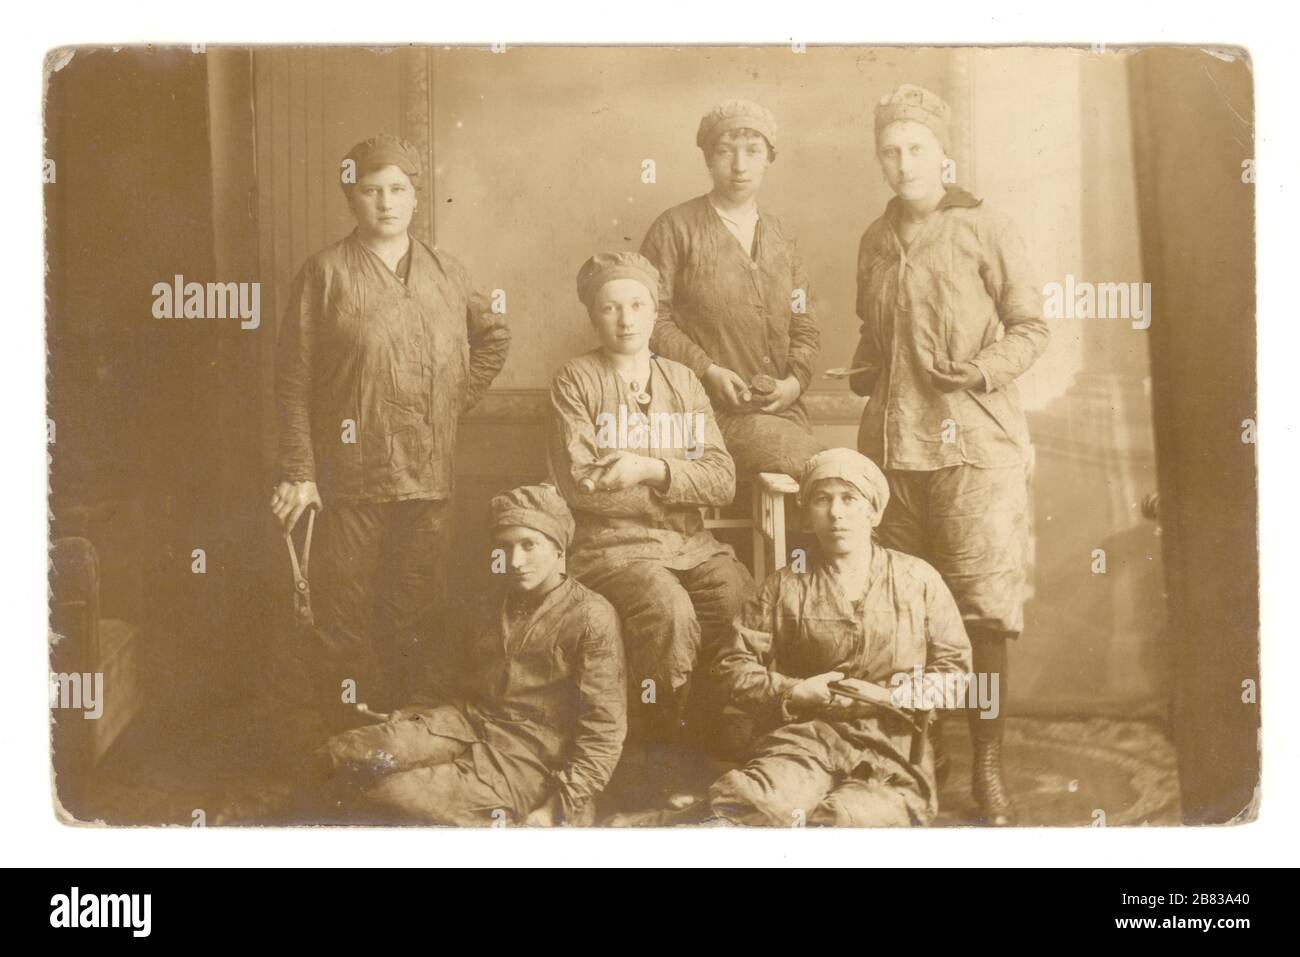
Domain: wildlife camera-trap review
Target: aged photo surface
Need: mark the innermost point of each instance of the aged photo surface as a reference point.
(652, 436)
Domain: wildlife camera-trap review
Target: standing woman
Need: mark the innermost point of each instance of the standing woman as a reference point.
(384, 344)
(734, 305)
(950, 320)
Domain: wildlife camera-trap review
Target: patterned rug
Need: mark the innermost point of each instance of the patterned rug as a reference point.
(1063, 773)
(1072, 773)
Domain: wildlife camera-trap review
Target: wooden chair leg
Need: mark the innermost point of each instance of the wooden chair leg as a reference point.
(776, 502)
(759, 562)
(770, 491)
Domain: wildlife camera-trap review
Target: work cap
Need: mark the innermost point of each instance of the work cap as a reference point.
(603, 267)
(538, 507)
(919, 105)
(735, 115)
(849, 466)
(385, 150)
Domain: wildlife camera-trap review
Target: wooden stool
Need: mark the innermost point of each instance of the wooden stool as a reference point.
(766, 521)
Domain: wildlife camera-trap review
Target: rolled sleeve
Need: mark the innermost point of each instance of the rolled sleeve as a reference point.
(602, 712)
(805, 337)
(574, 454)
(744, 665)
(710, 479)
(660, 246)
(489, 343)
(1005, 273)
(295, 373)
(868, 355)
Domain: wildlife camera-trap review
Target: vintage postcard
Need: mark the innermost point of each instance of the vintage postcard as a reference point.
(652, 436)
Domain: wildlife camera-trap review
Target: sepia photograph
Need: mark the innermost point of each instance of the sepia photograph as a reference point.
(652, 436)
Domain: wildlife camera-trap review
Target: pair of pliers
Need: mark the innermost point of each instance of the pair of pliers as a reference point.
(301, 588)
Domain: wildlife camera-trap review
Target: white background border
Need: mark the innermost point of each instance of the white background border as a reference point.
(29, 833)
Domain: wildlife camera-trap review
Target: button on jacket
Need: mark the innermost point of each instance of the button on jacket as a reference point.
(373, 373)
(960, 291)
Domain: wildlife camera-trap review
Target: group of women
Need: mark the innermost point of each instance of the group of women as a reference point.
(711, 327)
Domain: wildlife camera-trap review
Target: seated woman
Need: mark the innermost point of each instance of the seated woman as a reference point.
(859, 611)
(634, 449)
(531, 725)
(734, 301)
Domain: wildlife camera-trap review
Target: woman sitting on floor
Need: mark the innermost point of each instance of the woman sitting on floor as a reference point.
(528, 715)
(858, 611)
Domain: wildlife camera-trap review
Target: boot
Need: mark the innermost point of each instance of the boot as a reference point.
(942, 764)
(987, 787)
(990, 791)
